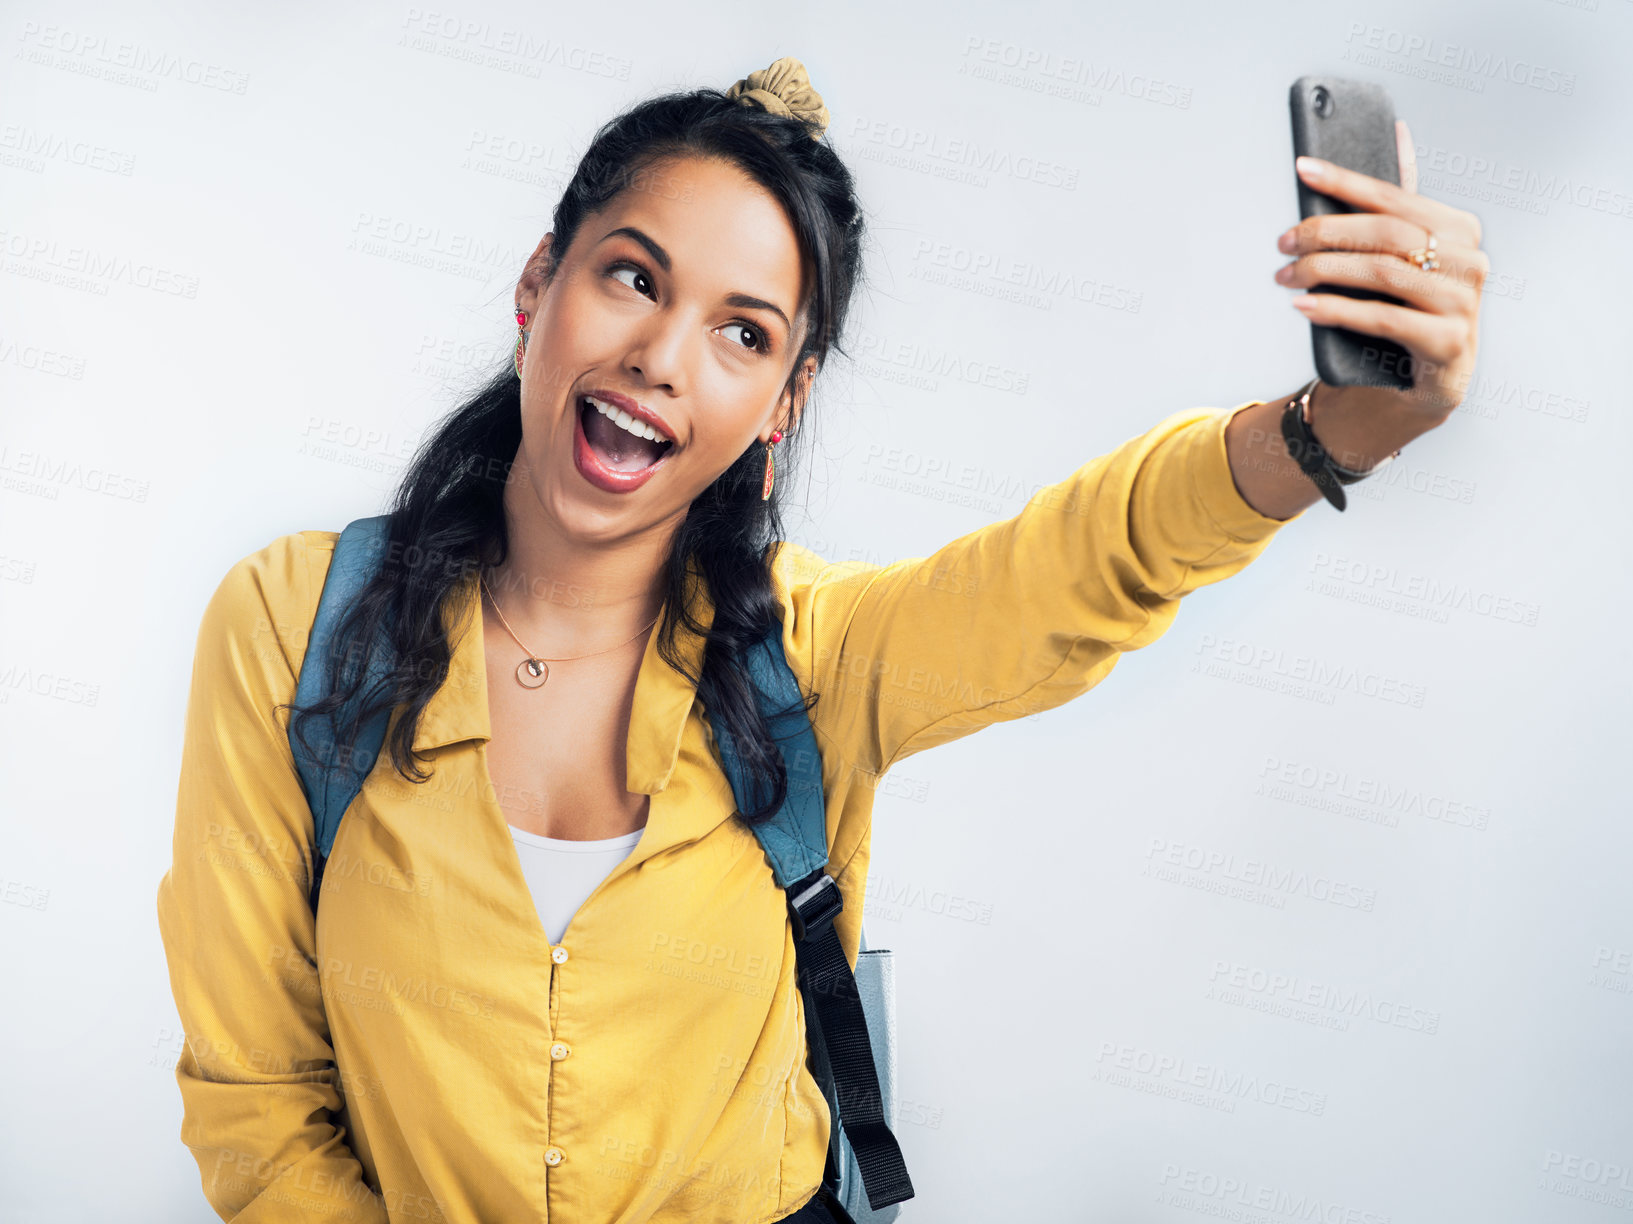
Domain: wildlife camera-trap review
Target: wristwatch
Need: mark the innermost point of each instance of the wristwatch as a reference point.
(1311, 457)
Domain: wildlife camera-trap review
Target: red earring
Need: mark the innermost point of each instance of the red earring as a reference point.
(521, 338)
(770, 466)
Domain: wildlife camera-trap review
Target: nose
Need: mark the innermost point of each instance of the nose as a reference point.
(658, 351)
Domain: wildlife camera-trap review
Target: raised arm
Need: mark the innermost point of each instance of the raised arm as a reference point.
(1027, 613)
(257, 1075)
(1023, 614)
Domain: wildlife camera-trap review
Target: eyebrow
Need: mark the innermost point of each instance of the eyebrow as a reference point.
(661, 257)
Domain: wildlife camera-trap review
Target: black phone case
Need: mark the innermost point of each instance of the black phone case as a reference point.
(1358, 133)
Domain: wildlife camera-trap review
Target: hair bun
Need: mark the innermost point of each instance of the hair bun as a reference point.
(784, 89)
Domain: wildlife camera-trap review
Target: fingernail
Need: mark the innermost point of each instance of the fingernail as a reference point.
(1304, 303)
(1287, 241)
(1284, 273)
(1311, 167)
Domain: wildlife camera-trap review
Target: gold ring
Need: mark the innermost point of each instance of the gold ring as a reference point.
(1425, 257)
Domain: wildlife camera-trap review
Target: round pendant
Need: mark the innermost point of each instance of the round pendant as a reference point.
(532, 673)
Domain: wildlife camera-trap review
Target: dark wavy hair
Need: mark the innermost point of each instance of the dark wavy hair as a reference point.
(447, 516)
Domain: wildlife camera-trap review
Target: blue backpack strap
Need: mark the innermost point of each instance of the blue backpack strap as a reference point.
(796, 837)
(330, 790)
(795, 842)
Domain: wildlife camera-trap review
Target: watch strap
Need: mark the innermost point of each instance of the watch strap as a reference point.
(1312, 458)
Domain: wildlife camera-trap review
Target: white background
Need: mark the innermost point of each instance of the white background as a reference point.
(303, 226)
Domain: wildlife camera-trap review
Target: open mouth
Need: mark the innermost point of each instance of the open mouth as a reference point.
(621, 443)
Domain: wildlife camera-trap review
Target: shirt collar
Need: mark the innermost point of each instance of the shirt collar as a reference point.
(458, 710)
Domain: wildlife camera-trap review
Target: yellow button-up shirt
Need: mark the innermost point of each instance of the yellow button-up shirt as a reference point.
(426, 1054)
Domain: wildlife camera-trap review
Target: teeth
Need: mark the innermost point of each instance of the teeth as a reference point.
(624, 421)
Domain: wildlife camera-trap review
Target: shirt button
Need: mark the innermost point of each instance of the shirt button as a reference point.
(554, 1156)
(560, 1050)
(559, 955)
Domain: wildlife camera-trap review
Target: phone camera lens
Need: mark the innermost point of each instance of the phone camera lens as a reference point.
(1321, 98)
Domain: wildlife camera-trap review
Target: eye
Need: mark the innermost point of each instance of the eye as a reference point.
(761, 342)
(624, 265)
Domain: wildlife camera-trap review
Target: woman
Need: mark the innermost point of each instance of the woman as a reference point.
(552, 976)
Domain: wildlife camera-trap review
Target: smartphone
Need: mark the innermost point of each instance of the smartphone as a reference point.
(1351, 124)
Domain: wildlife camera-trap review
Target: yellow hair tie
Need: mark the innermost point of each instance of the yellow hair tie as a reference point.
(784, 89)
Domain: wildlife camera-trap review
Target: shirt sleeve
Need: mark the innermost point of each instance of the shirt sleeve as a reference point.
(1024, 614)
(259, 1084)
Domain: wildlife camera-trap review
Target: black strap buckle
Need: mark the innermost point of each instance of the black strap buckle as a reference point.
(813, 903)
(1312, 458)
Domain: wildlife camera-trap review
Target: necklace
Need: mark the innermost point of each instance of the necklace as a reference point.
(532, 672)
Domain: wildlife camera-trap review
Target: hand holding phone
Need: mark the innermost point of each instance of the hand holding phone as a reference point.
(1351, 124)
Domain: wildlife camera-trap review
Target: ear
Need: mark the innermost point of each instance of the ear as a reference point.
(792, 404)
(534, 274)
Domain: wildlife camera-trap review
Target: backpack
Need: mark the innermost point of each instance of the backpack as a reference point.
(850, 1019)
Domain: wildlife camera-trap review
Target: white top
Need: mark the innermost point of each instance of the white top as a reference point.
(562, 874)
